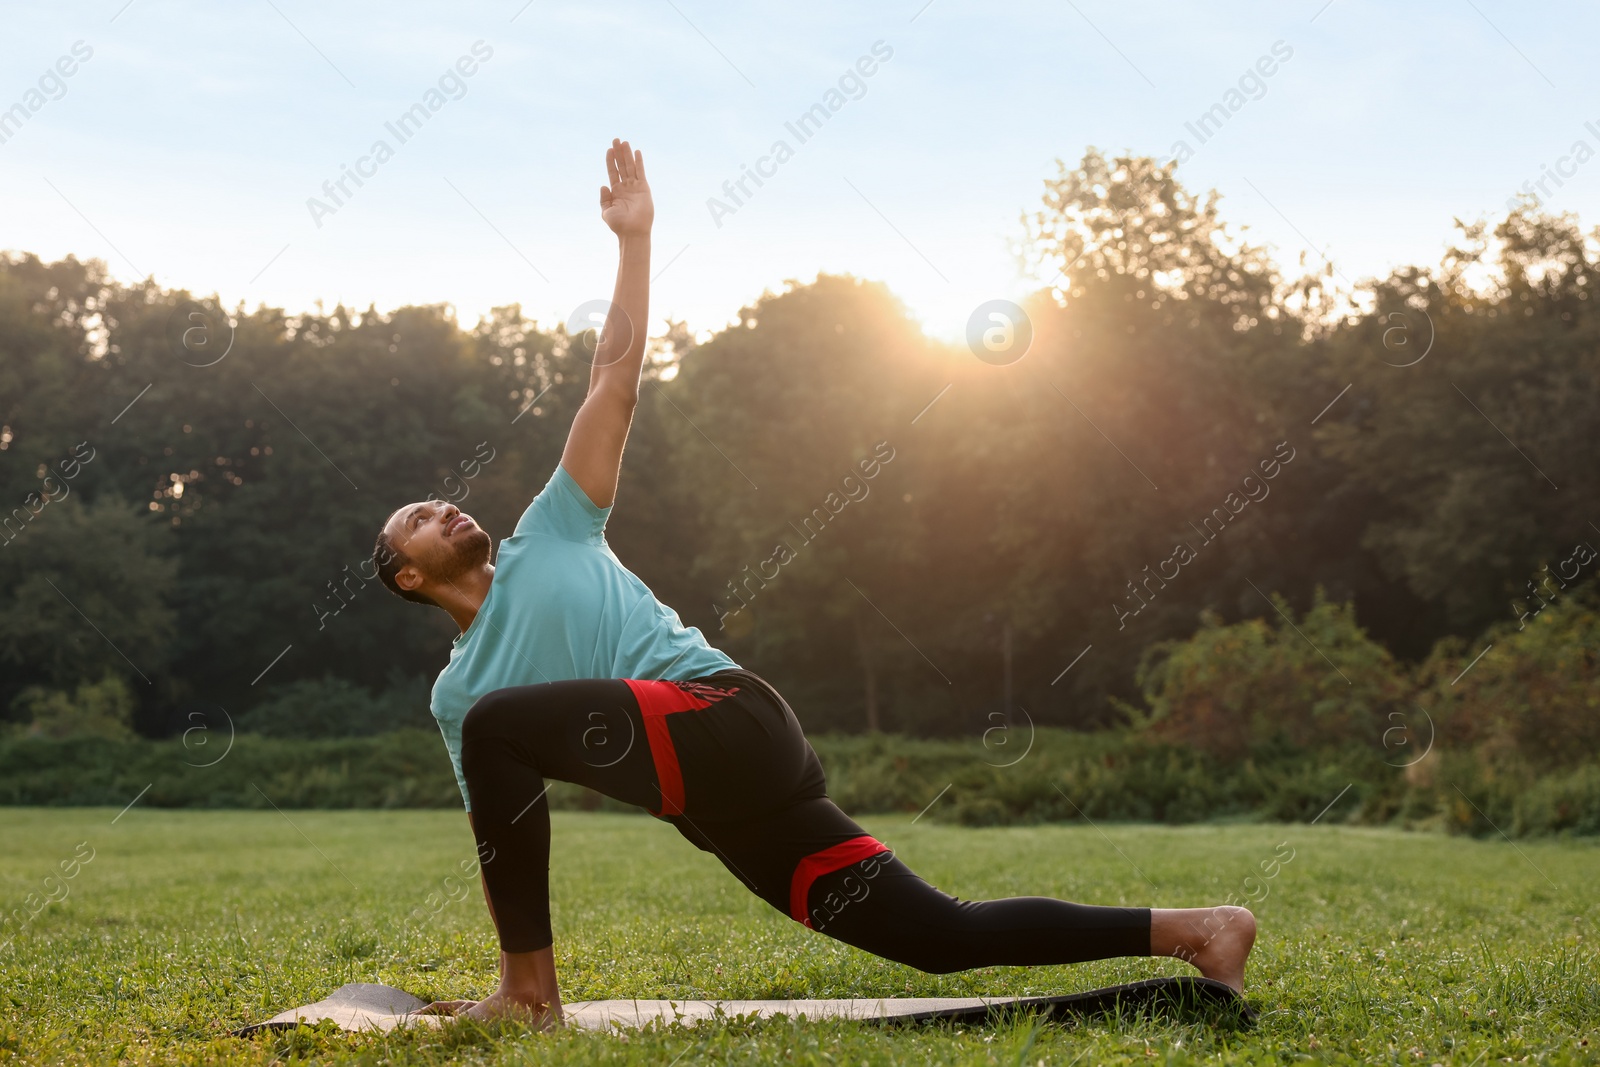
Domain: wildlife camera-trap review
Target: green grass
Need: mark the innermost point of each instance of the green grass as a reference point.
(1376, 946)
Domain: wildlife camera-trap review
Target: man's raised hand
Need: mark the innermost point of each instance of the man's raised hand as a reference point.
(593, 454)
(625, 204)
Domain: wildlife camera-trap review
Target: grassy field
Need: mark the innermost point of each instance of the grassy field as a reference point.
(1376, 946)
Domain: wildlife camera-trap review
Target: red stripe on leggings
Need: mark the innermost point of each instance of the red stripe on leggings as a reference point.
(657, 700)
(833, 858)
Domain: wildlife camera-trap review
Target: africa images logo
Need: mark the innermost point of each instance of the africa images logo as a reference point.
(403, 128)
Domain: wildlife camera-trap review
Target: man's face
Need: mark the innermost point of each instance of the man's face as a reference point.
(439, 539)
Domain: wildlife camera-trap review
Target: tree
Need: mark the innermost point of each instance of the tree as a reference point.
(90, 593)
(791, 435)
(1475, 413)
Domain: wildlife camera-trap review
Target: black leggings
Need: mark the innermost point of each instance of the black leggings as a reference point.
(724, 760)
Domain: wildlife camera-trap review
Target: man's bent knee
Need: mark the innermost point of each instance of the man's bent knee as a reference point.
(485, 712)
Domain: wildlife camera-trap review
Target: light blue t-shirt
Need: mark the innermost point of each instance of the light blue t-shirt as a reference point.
(562, 606)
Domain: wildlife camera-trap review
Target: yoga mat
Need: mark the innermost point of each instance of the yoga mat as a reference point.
(362, 1006)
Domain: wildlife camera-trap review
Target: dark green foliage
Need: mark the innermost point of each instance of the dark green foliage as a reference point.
(1533, 700)
(333, 707)
(211, 553)
(1456, 460)
(1272, 684)
(404, 769)
(1066, 777)
(80, 559)
(93, 709)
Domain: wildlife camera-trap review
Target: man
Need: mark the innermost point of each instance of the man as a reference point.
(568, 668)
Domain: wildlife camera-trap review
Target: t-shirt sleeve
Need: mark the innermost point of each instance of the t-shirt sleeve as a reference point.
(562, 509)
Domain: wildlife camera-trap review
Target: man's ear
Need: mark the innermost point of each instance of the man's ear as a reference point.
(408, 577)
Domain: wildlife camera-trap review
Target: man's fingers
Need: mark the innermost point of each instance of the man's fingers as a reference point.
(623, 163)
(605, 198)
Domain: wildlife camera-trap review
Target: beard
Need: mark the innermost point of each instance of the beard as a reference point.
(464, 553)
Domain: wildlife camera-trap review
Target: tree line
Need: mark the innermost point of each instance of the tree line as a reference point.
(903, 535)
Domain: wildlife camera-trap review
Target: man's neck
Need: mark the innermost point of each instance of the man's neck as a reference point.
(463, 597)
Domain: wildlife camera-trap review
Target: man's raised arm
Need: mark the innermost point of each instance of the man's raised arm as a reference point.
(593, 455)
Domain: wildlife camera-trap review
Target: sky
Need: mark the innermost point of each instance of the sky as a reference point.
(190, 140)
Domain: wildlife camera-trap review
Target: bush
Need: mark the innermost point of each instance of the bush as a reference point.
(1115, 775)
(1261, 684)
(1243, 721)
(405, 769)
(1561, 803)
(1534, 696)
(334, 707)
(1065, 777)
(94, 709)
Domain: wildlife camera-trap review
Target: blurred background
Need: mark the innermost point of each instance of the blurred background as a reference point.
(1193, 401)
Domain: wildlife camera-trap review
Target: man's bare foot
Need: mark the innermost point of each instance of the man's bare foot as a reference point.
(1217, 940)
(1223, 955)
(527, 993)
(503, 1004)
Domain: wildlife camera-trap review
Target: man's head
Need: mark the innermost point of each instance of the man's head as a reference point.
(425, 547)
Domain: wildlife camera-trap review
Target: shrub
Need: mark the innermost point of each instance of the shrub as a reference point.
(1265, 684)
(334, 707)
(1065, 777)
(94, 709)
(405, 769)
(1534, 696)
(1561, 803)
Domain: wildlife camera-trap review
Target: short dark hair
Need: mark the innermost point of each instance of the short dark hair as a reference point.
(388, 560)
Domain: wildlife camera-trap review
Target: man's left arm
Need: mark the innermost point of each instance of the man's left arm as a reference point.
(593, 455)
